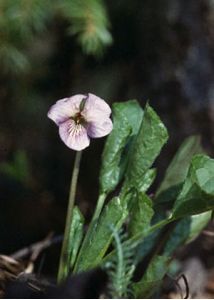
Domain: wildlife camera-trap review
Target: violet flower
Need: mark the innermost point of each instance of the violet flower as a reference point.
(80, 118)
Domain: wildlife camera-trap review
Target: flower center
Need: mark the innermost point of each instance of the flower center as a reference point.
(79, 119)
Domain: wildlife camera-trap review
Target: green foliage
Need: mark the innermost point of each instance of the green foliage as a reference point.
(141, 214)
(185, 231)
(151, 236)
(89, 22)
(187, 191)
(24, 17)
(151, 137)
(19, 23)
(152, 279)
(132, 111)
(197, 194)
(22, 21)
(177, 170)
(146, 245)
(74, 241)
(127, 118)
(97, 242)
(147, 180)
(111, 171)
(121, 268)
(198, 223)
(76, 234)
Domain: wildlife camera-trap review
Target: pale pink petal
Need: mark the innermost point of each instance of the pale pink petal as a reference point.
(99, 129)
(73, 135)
(95, 108)
(65, 108)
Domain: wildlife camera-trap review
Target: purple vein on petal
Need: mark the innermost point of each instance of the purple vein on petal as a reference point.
(74, 135)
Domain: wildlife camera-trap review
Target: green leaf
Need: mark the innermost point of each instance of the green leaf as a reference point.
(146, 245)
(133, 113)
(177, 170)
(152, 279)
(185, 231)
(148, 240)
(73, 243)
(198, 223)
(111, 173)
(76, 234)
(141, 214)
(128, 195)
(97, 242)
(197, 194)
(148, 179)
(127, 117)
(147, 145)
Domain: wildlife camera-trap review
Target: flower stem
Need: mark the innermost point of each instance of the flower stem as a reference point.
(64, 257)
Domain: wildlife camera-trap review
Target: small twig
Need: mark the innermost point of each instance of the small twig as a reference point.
(40, 247)
(34, 287)
(186, 285)
(41, 264)
(179, 288)
(208, 233)
(35, 249)
(175, 281)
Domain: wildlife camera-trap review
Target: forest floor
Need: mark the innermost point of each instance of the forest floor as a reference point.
(197, 265)
(195, 280)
